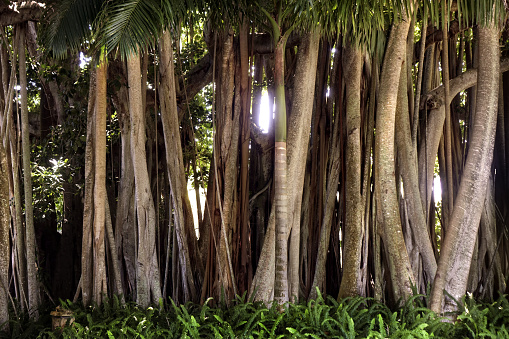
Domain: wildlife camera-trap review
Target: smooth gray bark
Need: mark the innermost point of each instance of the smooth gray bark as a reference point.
(385, 180)
(354, 205)
(455, 257)
(299, 123)
(435, 99)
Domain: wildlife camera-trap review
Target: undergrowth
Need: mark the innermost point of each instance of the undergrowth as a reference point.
(320, 318)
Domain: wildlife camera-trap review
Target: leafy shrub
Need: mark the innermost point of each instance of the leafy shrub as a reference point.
(324, 317)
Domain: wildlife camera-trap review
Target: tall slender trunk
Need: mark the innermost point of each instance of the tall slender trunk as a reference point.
(385, 181)
(319, 280)
(175, 164)
(416, 215)
(100, 287)
(12, 148)
(16, 213)
(88, 208)
(422, 50)
(280, 171)
(298, 141)
(448, 123)
(5, 247)
(354, 204)
(33, 286)
(244, 275)
(263, 281)
(115, 277)
(125, 222)
(227, 137)
(148, 286)
(455, 257)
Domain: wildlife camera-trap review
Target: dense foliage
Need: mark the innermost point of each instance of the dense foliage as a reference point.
(321, 318)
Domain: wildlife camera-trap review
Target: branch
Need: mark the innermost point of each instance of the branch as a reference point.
(435, 35)
(201, 74)
(435, 98)
(12, 16)
(197, 78)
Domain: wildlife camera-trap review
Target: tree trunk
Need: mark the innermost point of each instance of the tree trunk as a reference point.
(12, 146)
(262, 288)
(416, 216)
(148, 286)
(449, 201)
(226, 154)
(385, 181)
(5, 248)
(125, 221)
(244, 267)
(298, 141)
(280, 186)
(100, 287)
(319, 280)
(354, 204)
(33, 286)
(455, 257)
(175, 164)
(88, 208)
(431, 138)
(115, 278)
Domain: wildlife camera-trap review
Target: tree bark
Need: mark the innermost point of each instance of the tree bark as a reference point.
(280, 185)
(125, 222)
(88, 208)
(244, 267)
(100, 287)
(226, 162)
(263, 282)
(354, 205)
(33, 286)
(455, 257)
(416, 215)
(319, 280)
(385, 181)
(5, 248)
(148, 286)
(299, 123)
(16, 215)
(448, 133)
(429, 148)
(175, 164)
(115, 280)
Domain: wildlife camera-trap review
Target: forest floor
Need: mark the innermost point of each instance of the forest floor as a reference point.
(321, 318)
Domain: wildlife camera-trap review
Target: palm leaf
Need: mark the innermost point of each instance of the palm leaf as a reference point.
(130, 25)
(70, 24)
(174, 11)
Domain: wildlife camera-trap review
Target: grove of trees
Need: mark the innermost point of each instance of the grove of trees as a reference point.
(117, 108)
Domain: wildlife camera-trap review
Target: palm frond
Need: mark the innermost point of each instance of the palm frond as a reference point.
(223, 13)
(70, 24)
(362, 22)
(482, 11)
(130, 25)
(174, 11)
